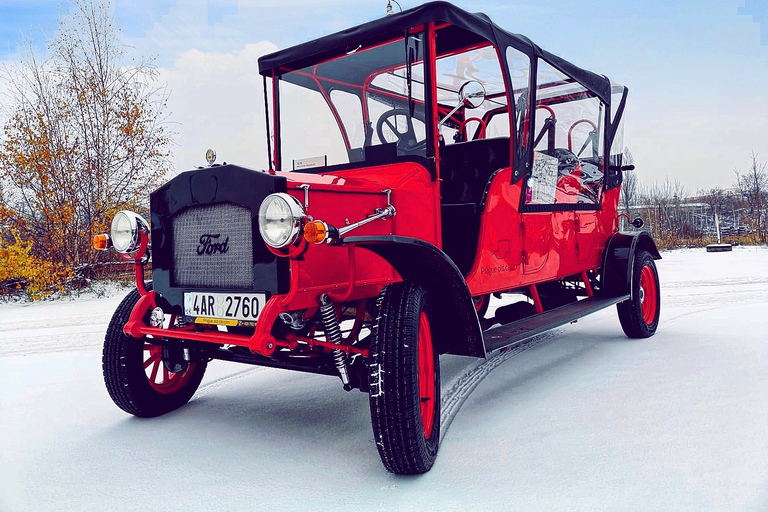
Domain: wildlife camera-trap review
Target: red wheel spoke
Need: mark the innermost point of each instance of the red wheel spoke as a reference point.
(155, 368)
(166, 383)
(151, 359)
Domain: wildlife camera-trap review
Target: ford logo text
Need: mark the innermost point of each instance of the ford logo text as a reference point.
(209, 244)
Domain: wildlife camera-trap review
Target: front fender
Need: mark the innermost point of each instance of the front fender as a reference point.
(457, 329)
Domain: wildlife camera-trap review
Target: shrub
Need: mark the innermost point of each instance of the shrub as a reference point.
(22, 271)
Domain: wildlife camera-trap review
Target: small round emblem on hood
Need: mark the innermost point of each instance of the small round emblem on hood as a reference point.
(210, 156)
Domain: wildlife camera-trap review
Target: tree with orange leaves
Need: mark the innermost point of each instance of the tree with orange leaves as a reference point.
(85, 136)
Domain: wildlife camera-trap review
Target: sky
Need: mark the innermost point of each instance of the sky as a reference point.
(696, 69)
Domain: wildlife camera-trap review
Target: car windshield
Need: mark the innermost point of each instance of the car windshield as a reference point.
(366, 102)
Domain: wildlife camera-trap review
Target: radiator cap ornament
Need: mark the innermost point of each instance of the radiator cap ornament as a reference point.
(210, 156)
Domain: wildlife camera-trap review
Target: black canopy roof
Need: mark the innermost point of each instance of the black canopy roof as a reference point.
(311, 52)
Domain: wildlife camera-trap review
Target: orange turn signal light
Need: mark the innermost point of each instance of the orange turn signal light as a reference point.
(315, 232)
(101, 242)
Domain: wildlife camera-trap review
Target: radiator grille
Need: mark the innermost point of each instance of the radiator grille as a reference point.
(212, 247)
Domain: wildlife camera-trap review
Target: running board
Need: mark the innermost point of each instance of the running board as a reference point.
(520, 330)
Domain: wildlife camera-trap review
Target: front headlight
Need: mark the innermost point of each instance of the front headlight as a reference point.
(126, 229)
(280, 218)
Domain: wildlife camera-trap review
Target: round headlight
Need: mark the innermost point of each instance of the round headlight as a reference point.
(280, 218)
(126, 228)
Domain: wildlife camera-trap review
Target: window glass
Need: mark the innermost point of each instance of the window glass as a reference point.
(620, 154)
(617, 92)
(520, 75)
(391, 119)
(351, 113)
(396, 81)
(568, 141)
(498, 125)
(308, 128)
(367, 96)
(480, 65)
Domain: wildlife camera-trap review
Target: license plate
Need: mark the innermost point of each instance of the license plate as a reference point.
(224, 308)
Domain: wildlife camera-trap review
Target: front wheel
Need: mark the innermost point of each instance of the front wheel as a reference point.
(404, 380)
(143, 378)
(639, 316)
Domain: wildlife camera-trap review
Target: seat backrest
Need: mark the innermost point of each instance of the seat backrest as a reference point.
(466, 167)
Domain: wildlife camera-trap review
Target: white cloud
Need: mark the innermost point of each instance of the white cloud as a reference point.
(225, 25)
(217, 102)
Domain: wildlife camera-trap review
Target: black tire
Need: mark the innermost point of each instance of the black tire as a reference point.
(639, 316)
(405, 408)
(127, 381)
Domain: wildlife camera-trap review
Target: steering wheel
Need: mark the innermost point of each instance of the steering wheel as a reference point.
(592, 137)
(406, 140)
(480, 134)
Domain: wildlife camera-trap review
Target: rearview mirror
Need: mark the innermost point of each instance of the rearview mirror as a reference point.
(472, 94)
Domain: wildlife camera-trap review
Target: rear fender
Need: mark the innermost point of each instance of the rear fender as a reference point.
(616, 274)
(457, 328)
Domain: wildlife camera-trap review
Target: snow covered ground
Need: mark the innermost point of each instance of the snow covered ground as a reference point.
(581, 418)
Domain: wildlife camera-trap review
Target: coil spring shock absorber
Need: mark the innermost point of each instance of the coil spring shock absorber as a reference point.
(333, 334)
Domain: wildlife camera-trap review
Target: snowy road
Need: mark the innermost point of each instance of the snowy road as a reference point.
(581, 419)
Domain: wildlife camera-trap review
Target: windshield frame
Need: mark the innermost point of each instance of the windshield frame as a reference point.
(317, 78)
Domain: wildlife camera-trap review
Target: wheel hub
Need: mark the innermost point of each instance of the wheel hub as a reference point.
(648, 294)
(167, 372)
(174, 360)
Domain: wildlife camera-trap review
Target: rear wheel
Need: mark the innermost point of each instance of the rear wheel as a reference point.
(404, 381)
(639, 316)
(143, 378)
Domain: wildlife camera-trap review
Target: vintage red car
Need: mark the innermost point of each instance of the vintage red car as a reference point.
(420, 163)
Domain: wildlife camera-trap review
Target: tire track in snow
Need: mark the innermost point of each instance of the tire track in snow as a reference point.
(459, 390)
(212, 386)
(462, 386)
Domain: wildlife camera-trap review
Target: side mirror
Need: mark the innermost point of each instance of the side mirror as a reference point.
(472, 94)
(638, 223)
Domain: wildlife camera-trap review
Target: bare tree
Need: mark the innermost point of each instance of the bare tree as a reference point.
(85, 135)
(666, 211)
(715, 197)
(752, 185)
